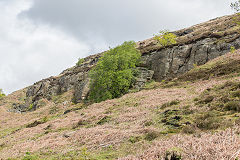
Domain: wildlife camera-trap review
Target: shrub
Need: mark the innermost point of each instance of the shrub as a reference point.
(151, 135)
(196, 99)
(80, 123)
(173, 154)
(151, 84)
(208, 121)
(30, 107)
(195, 65)
(28, 156)
(114, 73)
(207, 99)
(80, 61)
(1, 93)
(148, 123)
(165, 38)
(105, 119)
(232, 49)
(169, 104)
(232, 105)
(135, 139)
(85, 155)
(37, 122)
(236, 93)
(174, 102)
(188, 129)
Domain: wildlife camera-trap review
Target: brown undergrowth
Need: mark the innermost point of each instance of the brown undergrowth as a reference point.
(195, 117)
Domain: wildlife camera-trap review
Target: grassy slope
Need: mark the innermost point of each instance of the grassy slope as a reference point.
(189, 115)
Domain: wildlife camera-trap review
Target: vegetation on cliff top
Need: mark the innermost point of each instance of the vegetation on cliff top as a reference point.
(165, 38)
(80, 61)
(1, 93)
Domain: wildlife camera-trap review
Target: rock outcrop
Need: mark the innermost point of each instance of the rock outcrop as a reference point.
(75, 78)
(195, 46)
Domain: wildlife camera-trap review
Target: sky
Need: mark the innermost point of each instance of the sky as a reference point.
(41, 38)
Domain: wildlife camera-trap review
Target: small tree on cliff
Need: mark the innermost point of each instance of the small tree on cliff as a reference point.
(1, 93)
(114, 72)
(165, 38)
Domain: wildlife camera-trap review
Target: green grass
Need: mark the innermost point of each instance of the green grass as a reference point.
(107, 152)
(171, 103)
(8, 131)
(151, 85)
(104, 120)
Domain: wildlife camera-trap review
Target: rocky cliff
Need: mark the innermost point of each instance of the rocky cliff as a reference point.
(195, 46)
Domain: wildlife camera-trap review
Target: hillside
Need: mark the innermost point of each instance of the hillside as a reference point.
(195, 46)
(185, 105)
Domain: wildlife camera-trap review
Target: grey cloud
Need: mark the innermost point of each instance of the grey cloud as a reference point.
(31, 52)
(120, 20)
(40, 38)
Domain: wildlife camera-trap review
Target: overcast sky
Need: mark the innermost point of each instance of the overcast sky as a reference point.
(41, 38)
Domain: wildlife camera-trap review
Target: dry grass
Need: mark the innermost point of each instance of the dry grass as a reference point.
(128, 115)
(221, 145)
(132, 122)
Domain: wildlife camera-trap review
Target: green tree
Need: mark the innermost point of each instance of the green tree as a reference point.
(165, 38)
(114, 73)
(1, 93)
(80, 61)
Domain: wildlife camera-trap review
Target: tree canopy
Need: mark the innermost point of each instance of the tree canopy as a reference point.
(114, 73)
(1, 93)
(165, 38)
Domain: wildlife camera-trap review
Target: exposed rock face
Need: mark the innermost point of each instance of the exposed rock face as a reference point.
(171, 62)
(195, 45)
(75, 78)
(144, 76)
